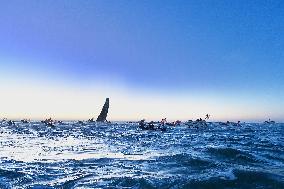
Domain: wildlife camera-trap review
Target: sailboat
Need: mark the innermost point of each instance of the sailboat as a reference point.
(103, 115)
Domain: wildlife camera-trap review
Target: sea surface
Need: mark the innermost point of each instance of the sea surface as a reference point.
(120, 155)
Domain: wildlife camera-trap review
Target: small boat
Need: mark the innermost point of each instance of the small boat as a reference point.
(91, 120)
(196, 124)
(229, 123)
(269, 122)
(10, 122)
(49, 122)
(24, 121)
(154, 126)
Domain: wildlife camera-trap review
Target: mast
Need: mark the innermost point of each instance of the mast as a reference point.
(103, 115)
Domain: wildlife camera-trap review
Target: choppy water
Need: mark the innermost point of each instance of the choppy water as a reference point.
(123, 156)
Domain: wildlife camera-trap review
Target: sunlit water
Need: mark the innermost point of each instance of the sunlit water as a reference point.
(123, 156)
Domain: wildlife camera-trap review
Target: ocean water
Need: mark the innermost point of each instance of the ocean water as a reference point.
(120, 155)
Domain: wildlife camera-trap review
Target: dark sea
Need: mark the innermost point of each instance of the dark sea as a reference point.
(120, 155)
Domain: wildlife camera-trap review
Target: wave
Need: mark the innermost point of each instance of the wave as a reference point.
(143, 183)
(9, 178)
(231, 153)
(244, 179)
(72, 182)
(186, 160)
(11, 174)
(41, 187)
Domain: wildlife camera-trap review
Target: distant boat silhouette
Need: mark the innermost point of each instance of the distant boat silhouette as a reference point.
(103, 115)
(269, 122)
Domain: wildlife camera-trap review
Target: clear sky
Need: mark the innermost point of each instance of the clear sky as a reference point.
(176, 59)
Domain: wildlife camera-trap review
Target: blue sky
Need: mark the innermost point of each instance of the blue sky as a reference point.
(218, 49)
